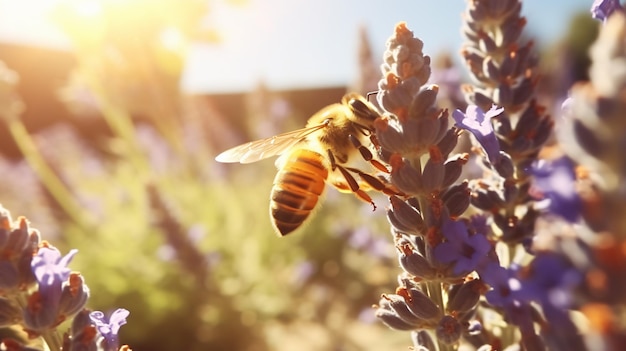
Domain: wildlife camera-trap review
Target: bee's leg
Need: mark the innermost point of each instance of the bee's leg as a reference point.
(367, 154)
(375, 183)
(351, 183)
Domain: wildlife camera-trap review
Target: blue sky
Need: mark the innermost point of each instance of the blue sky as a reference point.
(302, 43)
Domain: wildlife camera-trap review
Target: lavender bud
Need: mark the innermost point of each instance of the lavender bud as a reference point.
(453, 169)
(392, 320)
(405, 218)
(510, 191)
(421, 305)
(486, 199)
(407, 179)
(448, 330)
(83, 333)
(503, 94)
(433, 173)
(505, 166)
(17, 238)
(399, 305)
(74, 295)
(403, 61)
(401, 95)
(423, 105)
(412, 137)
(422, 341)
(448, 141)
(415, 264)
(490, 68)
(457, 199)
(523, 92)
(464, 297)
(502, 126)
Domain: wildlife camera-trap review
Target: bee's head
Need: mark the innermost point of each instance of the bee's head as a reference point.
(363, 112)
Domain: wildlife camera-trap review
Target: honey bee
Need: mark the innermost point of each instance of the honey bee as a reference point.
(310, 154)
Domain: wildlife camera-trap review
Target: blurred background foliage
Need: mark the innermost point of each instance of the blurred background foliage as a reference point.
(182, 242)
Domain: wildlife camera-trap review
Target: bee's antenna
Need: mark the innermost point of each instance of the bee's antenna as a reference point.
(367, 96)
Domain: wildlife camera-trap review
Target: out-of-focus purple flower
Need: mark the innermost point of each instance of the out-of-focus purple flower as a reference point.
(505, 285)
(506, 293)
(302, 273)
(364, 240)
(602, 9)
(467, 252)
(555, 181)
(550, 280)
(109, 327)
(479, 123)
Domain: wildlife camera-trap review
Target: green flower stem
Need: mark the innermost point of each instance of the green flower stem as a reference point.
(436, 294)
(46, 175)
(53, 340)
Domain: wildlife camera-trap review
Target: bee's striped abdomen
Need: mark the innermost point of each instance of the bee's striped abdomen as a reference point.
(297, 188)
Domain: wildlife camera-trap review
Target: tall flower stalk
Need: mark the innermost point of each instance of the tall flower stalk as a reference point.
(593, 134)
(473, 275)
(503, 68)
(437, 249)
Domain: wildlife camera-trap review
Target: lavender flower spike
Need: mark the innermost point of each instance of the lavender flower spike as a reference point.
(479, 124)
(602, 9)
(109, 327)
(556, 181)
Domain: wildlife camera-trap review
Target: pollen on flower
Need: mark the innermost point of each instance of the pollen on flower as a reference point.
(406, 249)
(381, 123)
(392, 80)
(88, 335)
(401, 29)
(5, 223)
(396, 162)
(404, 292)
(23, 222)
(435, 154)
(75, 283)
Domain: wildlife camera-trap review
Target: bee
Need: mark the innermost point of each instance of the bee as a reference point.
(309, 155)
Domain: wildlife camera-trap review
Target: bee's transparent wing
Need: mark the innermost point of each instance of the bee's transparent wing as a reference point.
(265, 148)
